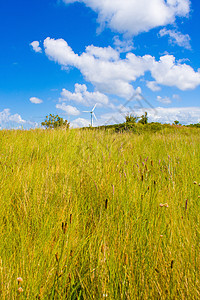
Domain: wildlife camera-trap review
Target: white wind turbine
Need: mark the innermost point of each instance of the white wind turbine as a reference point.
(92, 114)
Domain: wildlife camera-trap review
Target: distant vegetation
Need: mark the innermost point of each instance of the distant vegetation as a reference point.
(95, 214)
(194, 125)
(132, 123)
(140, 124)
(54, 122)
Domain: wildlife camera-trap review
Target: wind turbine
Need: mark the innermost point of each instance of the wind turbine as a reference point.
(92, 114)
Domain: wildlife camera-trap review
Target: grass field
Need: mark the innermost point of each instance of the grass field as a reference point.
(100, 215)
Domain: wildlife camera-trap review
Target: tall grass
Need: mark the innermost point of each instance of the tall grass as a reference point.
(82, 215)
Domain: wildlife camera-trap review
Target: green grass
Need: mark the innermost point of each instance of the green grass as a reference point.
(80, 214)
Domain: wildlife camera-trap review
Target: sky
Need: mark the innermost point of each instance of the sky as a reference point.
(127, 56)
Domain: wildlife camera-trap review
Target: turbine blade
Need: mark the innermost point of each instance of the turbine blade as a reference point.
(94, 116)
(86, 111)
(94, 107)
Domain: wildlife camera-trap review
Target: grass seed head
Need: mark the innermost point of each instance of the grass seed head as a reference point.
(113, 188)
(19, 280)
(165, 204)
(20, 290)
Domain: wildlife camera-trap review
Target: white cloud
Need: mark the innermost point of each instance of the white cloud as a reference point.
(110, 74)
(107, 53)
(6, 117)
(176, 37)
(80, 122)
(138, 94)
(133, 16)
(168, 72)
(36, 46)
(152, 85)
(138, 90)
(82, 96)
(123, 46)
(185, 115)
(60, 52)
(68, 109)
(35, 100)
(8, 121)
(182, 60)
(113, 118)
(165, 100)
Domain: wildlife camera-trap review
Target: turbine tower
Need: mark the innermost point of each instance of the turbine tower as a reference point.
(92, 114)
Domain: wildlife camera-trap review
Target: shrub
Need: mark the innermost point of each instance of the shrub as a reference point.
(54, 122)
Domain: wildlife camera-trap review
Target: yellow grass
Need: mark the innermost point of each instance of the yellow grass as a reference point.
(93, 215)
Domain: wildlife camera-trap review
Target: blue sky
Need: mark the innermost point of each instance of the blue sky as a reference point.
(65, 56)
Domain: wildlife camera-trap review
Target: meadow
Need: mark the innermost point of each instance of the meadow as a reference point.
(90, 214)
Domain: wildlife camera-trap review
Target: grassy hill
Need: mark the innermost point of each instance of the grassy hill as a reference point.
(94, 214)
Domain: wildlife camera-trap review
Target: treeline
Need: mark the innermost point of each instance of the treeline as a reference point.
(132, 123)
(141, 124)
(194, 125)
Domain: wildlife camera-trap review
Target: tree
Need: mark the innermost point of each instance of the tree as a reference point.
(131, 119)
(54, 122)
(143, 119)
(176, 122)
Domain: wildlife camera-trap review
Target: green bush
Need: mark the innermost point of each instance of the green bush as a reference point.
(54, 122)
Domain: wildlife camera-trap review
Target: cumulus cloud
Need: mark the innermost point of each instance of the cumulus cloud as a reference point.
(36, 46)
(133, 16)
(68, 109)
(123, 46)
(80, 122)
(107, 53)
(82, 96)
(8, 120)
(168, 72)
(6, 117)
(35, 100)
(176, 37)
(113, 75)
(185, 115)
(165, 100)
(152, 85)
